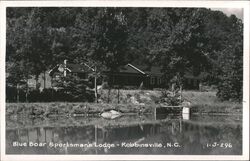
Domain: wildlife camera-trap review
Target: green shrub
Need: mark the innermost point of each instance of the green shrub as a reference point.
(170, 99)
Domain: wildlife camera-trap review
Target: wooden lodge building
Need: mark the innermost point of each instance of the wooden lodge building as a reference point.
(135, 76)
(126, 76)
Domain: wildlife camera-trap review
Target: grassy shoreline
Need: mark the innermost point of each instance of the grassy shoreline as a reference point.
(207, 102)
(201, 103)
(70, 109)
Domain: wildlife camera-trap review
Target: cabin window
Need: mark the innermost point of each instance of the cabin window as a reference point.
(81, 75)
(152, 80)
(156, 80)
(84, 76)
(57, 77)
(191, 82)
(159, 81)
(195, 82)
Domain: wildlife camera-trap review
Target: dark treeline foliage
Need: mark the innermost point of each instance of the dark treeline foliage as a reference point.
(177, 39)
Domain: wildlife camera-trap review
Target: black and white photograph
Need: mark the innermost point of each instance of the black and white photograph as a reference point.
(124, 80)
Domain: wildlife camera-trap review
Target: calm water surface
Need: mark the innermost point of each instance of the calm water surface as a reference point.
(149, 134)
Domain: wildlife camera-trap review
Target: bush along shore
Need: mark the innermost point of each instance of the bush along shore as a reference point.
(72, 109)
(131, 102)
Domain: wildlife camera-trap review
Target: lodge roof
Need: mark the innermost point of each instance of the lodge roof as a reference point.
(129, 68)
(78, 68)
(189, 74)
(139, 69)
(151, 70)
(73, 68)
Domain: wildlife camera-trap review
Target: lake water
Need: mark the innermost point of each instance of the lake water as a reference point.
(147, 134)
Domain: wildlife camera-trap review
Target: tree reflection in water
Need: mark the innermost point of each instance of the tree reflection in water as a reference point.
(191, 135)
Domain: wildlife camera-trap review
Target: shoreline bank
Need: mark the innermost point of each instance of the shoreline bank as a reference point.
(138, 102)
(94, 109)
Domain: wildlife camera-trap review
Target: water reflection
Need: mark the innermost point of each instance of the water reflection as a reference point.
(79, 135)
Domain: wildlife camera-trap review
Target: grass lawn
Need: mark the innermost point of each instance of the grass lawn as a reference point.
(207, 102)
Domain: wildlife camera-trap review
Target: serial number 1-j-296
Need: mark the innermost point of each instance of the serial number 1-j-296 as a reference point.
(221, 145)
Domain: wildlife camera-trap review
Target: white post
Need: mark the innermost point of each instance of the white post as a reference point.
(186, 113)
(155, 112)
(96, 94)
(65, 70)
(180, 92)
(96, 135)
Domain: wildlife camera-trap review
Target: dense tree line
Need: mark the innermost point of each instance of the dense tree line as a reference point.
(177, 39)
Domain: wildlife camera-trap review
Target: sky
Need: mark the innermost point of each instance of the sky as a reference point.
(238, 12)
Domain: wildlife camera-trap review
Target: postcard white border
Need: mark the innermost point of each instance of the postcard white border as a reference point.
(129, 3)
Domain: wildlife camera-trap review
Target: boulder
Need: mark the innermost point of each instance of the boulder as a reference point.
(112, 114)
